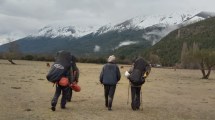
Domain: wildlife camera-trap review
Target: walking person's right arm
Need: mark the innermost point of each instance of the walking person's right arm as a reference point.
(101, 75)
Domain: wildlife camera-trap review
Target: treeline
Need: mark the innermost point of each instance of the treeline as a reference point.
(32, 57)
(48, 57)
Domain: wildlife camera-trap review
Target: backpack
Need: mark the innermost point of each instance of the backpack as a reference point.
(56, 72)
(63, 62)
(137, 75)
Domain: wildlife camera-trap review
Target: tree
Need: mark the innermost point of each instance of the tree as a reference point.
(154, 59)
(13, 52)
(184, 56)
(206, 60)
(193, 57)
(187, 56)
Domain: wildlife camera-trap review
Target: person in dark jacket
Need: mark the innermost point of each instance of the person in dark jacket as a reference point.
(109, 77)
(137, 74)
(68, 61)
(75, 73)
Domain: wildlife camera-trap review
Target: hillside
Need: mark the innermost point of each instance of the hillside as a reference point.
(88, 45)
(169, 48)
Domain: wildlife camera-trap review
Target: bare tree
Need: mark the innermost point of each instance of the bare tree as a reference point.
(206, 60)
(13, 52)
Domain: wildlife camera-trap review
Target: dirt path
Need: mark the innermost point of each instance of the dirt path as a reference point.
(25, 94)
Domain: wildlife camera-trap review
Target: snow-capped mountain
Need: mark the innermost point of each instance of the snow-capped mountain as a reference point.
(198, 17)
(169, 22)
(142, 22)
(68, 31)
(174, 19)
(139, 31)
(156, 26)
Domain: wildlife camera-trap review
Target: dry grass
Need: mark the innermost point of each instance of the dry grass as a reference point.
(167, 95)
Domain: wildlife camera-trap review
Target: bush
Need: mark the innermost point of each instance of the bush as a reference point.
(28, 57)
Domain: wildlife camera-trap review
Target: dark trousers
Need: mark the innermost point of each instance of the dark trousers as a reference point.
(109, 91)
(69, 94)
(135, 97)
(57, 94)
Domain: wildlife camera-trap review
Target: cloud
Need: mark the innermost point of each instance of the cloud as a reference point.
(96, 48)
(155, 35)
(125, 43)
(5, 38)
(28, 16)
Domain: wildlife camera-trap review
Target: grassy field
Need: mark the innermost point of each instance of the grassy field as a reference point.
(25, 94)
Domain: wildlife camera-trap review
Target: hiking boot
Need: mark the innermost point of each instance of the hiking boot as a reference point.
(134, 108)
(63, 107)
(53, 108)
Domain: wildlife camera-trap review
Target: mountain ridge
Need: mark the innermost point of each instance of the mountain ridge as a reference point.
(170, 47)
(139, 22)
(107, 38)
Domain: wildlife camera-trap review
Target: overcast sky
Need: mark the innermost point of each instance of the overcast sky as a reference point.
(19, 18)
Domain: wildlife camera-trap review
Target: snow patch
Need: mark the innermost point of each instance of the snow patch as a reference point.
(193, 20)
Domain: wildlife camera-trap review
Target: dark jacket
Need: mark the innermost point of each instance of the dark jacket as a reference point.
(73, 73)
(110, 74)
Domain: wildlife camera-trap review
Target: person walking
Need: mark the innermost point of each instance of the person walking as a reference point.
(136, 75)
(63, 60)
(109, 77)
(75, 73)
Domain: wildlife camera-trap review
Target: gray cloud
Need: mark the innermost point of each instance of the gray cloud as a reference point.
(26, 16)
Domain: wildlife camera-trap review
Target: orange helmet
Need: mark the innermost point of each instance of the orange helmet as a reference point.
(63, 81)
(75, 87)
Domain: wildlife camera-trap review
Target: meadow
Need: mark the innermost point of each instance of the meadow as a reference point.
(167, 94)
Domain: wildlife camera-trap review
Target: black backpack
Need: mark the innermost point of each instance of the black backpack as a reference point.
(56, 72)
(136, 77)
(63, 62)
